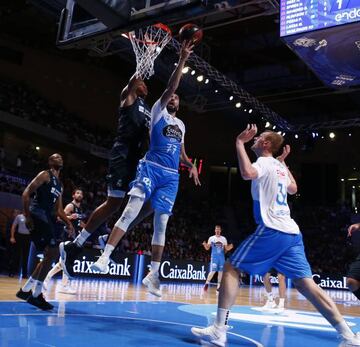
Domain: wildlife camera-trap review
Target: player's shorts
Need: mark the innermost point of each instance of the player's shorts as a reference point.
(160, 185)
(44, 233)
(354, 269)
(121, 171)
(217, 263)
(268, 248)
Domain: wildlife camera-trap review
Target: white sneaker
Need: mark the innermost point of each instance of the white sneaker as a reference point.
(101, 265)
(269, 305)
(152, 283)
(212, 334)
(354, 341)
(67, 289)
(279, 309)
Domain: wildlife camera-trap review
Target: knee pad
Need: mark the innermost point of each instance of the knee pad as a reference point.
(160, 223)
(131, 211)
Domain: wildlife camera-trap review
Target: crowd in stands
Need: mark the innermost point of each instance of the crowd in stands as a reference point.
(24, 102)
(324, 228)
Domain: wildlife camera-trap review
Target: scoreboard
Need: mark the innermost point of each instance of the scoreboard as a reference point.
(300, 16)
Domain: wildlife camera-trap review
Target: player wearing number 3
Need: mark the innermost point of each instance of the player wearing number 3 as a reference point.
(276, 243)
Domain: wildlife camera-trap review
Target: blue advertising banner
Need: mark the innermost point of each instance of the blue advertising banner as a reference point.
(333, 54)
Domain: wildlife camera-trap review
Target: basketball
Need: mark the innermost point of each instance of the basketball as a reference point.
(190, 32)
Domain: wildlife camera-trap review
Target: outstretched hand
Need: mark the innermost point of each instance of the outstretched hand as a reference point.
(186, 49)
(352, 228)
(195, 176)
(248, 134)
(284, 154)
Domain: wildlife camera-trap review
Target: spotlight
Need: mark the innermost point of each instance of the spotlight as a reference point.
(200, 78)
(332, 135)
(349, 134)
(238, 105)
(193, 72)
(245, 110)
(313, 135)
(216, 91)
(279, 132)
(342, 180)
(175, 64)
(267, 125)
(274, 127)
(283, 134)
(185, 69)
(296, 136)
(250, 111)
(231, 97)
(207, 81)
(37, 148)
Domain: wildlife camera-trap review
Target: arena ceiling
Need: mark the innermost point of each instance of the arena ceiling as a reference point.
(249, 52)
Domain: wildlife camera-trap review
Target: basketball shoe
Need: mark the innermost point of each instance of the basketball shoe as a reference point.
(152, 283)
(213, 334)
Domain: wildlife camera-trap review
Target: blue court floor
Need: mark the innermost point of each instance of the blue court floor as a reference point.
(156, 323)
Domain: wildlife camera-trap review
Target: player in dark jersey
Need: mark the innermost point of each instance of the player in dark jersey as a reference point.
(353, 275)
(41, 215)
(130, 144)
(75, 214)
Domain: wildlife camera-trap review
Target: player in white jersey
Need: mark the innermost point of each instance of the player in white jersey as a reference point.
(271, 304)
(219, 247)
(276, 243)
(157, 176)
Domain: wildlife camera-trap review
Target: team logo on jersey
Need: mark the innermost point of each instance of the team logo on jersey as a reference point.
(173, 132)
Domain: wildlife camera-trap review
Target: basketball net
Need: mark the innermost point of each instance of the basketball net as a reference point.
(147, 44)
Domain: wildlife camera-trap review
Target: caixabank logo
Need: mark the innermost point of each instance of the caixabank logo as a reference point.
(182, 271)
(123, 267)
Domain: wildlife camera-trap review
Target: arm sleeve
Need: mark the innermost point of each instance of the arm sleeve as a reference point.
(225, 242)
(183, 132)
(260, 167)
(209, 240)
(156, 112)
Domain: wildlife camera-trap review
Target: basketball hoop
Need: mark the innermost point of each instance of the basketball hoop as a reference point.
(147, 44)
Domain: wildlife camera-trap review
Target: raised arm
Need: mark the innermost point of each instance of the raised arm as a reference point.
(206, 245)
(184, 159)
(292, 187)
(352, 228)
(228, 247)
(173, 84)
(129, 93)
(248, 172)
(41, 178)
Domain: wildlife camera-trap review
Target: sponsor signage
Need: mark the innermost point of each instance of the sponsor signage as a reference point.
(124, 268)
(322, 280)
(179, 270)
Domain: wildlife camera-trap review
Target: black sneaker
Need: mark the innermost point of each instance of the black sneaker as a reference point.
(23, 295)
(40, 302)
(68, 253)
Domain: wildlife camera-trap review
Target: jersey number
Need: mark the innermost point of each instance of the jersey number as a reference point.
(281, 196)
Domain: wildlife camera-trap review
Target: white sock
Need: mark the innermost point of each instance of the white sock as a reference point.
(270, 296)
(57, 268)
(344, 330)
(281, 302)
(37, 288)
(108, 250)
(155, 266)
(65, 279)
(28, 284)
(82, 237)
(222, 317)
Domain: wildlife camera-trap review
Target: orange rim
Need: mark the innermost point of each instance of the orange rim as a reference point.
(157, 25)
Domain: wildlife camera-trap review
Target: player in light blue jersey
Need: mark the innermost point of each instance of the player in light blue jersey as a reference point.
(157, 177)
(219, 247)
(276, 243)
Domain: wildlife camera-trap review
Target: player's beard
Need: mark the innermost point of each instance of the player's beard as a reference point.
(171, 108)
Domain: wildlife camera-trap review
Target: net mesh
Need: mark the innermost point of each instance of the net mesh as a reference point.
(147, 44)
